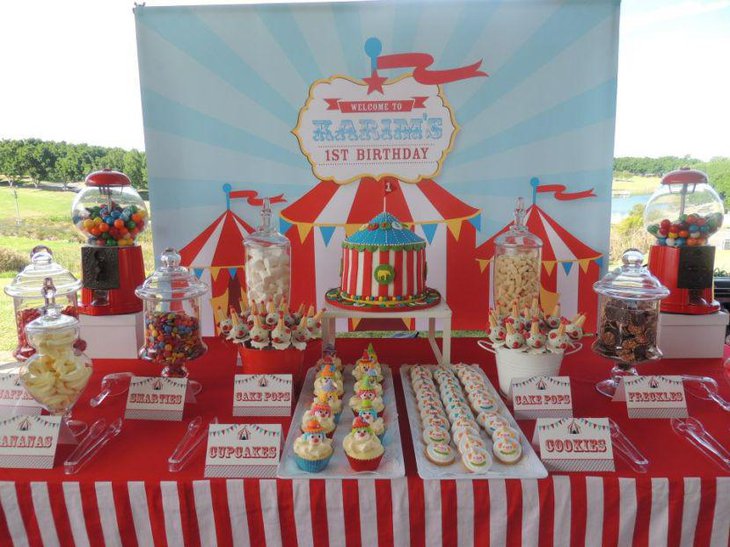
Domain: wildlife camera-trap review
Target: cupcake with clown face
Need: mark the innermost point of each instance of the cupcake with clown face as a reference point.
(329, 373)
(369, 415)
(362, 447)
(329, 393)
(320, 412)
(312, 450)
(367, 392)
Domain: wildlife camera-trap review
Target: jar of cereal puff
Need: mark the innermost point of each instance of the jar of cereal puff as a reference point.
(517, 259)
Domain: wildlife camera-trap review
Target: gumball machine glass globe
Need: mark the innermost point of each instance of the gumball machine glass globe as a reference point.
(109, 211)
(684, 211)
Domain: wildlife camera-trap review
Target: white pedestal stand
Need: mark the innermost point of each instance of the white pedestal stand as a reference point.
(112, 336)
(441, 311)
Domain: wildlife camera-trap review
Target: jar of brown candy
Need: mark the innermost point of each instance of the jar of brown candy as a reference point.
(628, 318)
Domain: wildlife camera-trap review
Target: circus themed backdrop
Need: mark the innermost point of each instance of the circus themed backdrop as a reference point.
(440, 112)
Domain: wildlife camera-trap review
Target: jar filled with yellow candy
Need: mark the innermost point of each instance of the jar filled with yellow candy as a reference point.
(57, 373)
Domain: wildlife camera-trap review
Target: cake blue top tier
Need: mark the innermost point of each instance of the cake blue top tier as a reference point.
(384, 232)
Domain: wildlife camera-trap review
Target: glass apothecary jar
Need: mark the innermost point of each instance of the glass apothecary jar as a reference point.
(27, 288)
(172, 297)
(108, 211)
(57, 373)
(628, 318)
(268, 262)
(517, 259)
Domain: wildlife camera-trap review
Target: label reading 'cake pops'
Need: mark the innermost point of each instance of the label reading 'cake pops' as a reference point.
(542, 397)
(153, 398)
(262, 395)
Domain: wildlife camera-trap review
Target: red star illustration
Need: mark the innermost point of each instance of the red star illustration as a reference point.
(375, 82)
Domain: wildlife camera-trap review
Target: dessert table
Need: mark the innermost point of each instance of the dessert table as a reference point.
(127, 496)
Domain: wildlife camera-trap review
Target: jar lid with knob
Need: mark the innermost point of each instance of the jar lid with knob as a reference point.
(171, 281)
(29, 282)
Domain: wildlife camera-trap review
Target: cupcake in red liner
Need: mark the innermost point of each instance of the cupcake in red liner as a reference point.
(321, 412)
(362, 447)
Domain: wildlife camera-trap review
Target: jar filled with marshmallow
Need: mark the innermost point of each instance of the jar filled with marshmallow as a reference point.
(268, 262)
(517, 259)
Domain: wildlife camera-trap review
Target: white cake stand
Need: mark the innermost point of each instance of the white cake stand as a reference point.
(440, 311)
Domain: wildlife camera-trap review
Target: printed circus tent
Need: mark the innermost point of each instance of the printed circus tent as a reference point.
(216, 256)
(569, 266)
(318, 222)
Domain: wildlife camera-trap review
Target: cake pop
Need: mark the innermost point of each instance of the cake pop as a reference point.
(252, 313)
(558, 341)
(259, 335)
(497, 332)
(513, 339)
(281, 335)
(272, 317)
(314, 323)
(239, 330)
(574, 329)
(536, 339)
(224, 322)
(553, 320)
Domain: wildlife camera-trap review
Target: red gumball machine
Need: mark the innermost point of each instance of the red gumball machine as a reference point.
(111, 215)
(682, 214)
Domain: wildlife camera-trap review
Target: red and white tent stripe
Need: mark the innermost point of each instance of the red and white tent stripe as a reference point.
(215, 251)
(570, 267)
(561, 510)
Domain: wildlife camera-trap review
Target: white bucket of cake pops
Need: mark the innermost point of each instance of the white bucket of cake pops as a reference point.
(517, 363)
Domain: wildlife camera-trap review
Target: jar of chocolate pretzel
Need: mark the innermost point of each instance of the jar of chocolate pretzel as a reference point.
(628, 317)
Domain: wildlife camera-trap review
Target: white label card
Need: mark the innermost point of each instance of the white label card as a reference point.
(542, 397)
(156, 398)
(14, 399)
(29, 441)
(575, 444)
(653, 396)
(243, 450)
(262, 395)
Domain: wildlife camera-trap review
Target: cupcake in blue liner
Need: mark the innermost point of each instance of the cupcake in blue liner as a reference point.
(368, 414)
(312, 449)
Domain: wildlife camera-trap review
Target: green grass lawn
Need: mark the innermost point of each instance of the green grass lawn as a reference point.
(7, 324)
(53, 205)
(637, 185)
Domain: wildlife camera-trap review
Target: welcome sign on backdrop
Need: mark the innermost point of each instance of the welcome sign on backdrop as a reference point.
(441, 111)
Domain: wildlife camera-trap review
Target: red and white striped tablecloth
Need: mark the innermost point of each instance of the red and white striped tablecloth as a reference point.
(560, 510)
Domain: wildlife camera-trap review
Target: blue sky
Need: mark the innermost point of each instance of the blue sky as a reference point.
(73, 75)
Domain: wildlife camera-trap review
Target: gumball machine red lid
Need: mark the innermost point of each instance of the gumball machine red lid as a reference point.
(681, 215)
(111, 215)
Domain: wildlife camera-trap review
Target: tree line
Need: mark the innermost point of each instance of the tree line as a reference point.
(717, 169)
(52, 161)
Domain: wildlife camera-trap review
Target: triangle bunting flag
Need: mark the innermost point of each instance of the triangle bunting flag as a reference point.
(483, 264)
(476, 221)
(232, 272)
(354, 322)
(429, 230)
(304, 230)
(326, 232)
(567, 266)
(455, 227)
(548, 265)
(351, 229)
(214, 273)
(198, 272)
(584, 263)
(284, 225)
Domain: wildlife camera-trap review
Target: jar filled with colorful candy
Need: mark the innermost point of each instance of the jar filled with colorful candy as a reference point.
(26, 290)
(684, 211)
(268, 262)
(108, 211)
(172, 297)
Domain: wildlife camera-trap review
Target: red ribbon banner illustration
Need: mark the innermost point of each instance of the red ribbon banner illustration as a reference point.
(420, 63)
(562, 195)
(251, 197)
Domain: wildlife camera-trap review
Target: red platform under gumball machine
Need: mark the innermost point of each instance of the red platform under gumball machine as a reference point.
(110, 214)
(683, 213)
